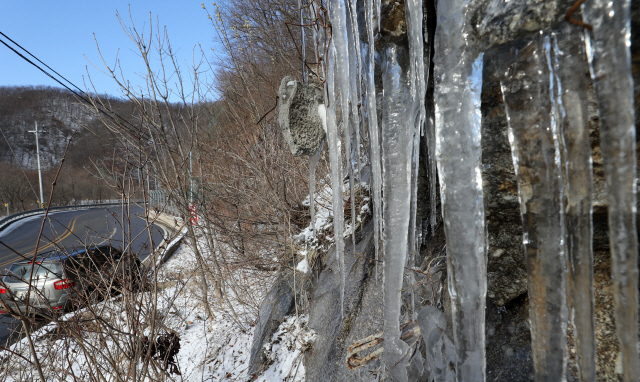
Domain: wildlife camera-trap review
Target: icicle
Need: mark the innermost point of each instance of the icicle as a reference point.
(418, 90)
(351, 118)
(570, 66)
(335, 161)
(528, 92)
(319, 41)
(397, 149)
(457, 103)
(374, 139)
(305, 78)
(340, 44)
(611, 71)
(313, 162)
(428, 130)
(413, 247)
(356, 86)
(356, 103)
(377, 5)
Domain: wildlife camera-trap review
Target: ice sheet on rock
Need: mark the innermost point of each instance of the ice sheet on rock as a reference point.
(440, 352)
(397, 149)
(570, 66)
(458, 84)
(441, 356)
(611, 71)
(529, 96)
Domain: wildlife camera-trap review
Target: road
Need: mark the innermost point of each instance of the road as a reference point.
(71, 229)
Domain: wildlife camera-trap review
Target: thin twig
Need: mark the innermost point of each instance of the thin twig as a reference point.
(265, 114)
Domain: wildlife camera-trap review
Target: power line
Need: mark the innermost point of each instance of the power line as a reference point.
(109, 113)
(29, 53)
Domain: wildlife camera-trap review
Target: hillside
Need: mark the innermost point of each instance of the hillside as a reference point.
(60, 115)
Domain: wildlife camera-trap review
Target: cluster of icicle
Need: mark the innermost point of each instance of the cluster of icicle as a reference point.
(544, 95)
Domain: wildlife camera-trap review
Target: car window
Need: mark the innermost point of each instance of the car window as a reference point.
(23, 271)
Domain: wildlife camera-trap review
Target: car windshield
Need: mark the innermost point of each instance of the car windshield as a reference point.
(23, 271)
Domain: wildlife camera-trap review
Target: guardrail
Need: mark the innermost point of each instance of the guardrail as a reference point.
(4, 223)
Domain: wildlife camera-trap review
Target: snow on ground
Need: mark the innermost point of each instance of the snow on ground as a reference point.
(216, 349)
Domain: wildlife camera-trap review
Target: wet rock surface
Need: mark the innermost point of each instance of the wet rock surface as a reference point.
(362, 313)
(496, 22)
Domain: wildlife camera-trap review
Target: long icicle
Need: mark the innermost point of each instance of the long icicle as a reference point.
(356, 89)
(313, 163)
(528, 91)
(374, 137)
(418, 89)
(571, 67)
(458, 75)
(340, 44)
(611, 71)
(397, 149)
(353, 119)
(340, 39)
(335, 160)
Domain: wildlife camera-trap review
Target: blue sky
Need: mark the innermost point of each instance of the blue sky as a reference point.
(61, 34)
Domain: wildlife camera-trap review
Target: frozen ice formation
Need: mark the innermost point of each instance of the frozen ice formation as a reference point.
(542, 62)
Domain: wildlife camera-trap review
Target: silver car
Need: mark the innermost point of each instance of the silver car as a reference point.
(57, 279)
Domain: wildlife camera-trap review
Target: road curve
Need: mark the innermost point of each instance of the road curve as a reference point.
(71, 229)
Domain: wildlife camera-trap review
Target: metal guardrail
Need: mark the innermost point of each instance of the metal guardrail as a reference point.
(160, 200)
(4, 223)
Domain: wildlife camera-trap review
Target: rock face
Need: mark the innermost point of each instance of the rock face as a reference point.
(498, 22)
(362, 313)
(278, 303)
(299, 117)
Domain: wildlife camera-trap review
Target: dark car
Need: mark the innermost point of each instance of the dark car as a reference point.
(59, 278)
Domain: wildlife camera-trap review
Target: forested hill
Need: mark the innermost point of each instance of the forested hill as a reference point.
(57, 112)
(60, 114)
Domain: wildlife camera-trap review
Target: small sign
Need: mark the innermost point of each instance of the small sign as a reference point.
(194, 215)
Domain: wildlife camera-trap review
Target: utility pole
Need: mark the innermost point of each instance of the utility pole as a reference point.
(191, 178)
(41, 202)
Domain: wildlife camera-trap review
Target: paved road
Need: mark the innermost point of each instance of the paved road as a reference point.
(70, 229)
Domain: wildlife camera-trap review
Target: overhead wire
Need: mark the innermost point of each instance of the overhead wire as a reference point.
(48, 67)
(109, 113)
